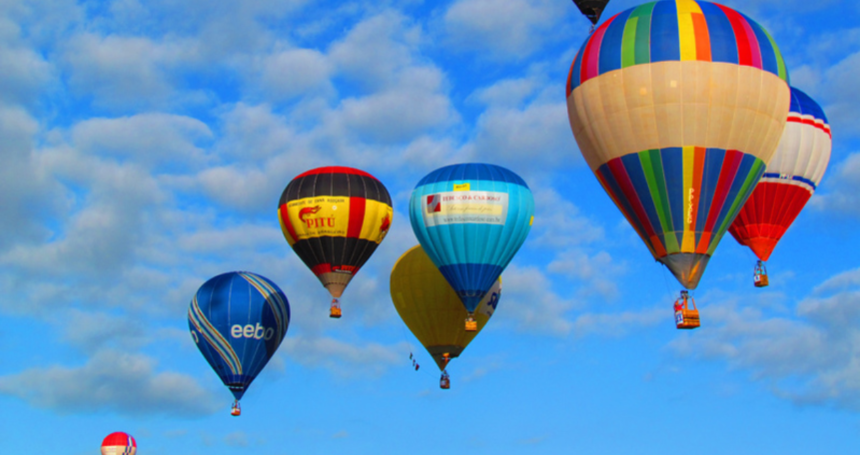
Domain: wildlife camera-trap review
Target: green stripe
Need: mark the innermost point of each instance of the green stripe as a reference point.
(780, 63)
(652, 165)
(749, 184)
(628, 43)
(643, 32)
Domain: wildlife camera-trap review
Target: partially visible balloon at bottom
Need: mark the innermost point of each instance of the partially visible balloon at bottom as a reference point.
(119, 443)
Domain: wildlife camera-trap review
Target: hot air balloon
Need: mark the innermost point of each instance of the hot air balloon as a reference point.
(788, 182)
(592, 9)
(119, 443)
(432, 309)
(677, 106)
(334, 218)
(238, 320)
(471, 219)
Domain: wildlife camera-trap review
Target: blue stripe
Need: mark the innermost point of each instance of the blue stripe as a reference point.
(798, 178)
(471, 281)
(637, 176)
(768, 55)
(665, 45)
(472, 171)
(610, 47)
(575, 80)
(714, 158)
(743, 171)
(673, 172)
(724, 47)
(802, 104)
(606, 173)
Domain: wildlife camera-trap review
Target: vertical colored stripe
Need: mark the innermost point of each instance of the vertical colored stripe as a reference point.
(723, 47)
(727, 174)
(752, 173)
(664, 33)
(610, 50)
(574, 79)
(703, 38)
(628, 42)
(636, 172)
(689, 237)
(673, 165)
(653, 166)
(780, 63)
(741, 38)
(643, 32)
(357, 206)
(606, 180)
(629, 193)
(686, 29)
(591, 59)
(766, 49)
(755, 48)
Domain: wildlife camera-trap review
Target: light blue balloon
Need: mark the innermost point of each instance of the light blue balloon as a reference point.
(471, 220)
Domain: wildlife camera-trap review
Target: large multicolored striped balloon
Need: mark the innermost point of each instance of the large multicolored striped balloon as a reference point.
(677, 106)
(789, 180)
(471, 219)
(238, 320)
(119, 443)
(334, 218)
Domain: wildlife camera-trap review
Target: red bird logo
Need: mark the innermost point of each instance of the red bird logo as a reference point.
(308, 211)
(386, 223)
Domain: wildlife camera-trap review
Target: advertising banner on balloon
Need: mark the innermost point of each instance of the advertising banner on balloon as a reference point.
(456, 207)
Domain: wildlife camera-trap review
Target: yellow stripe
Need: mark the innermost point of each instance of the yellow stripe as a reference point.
(686, 32)
(287, 235)
(688, 243)
(374, 214)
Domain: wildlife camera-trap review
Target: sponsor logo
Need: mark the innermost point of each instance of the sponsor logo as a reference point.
(386, 223)
(249, 331)
(461, 186)
(307, 211)
(476, 207)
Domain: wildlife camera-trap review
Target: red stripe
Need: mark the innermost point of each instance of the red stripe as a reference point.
(319, 269)
(768, 213)
(356, 216)
(334, 170)
(703, 37)
(282, 212)
(620, 173)
(744, 54)
(731, 162)
(591, 56)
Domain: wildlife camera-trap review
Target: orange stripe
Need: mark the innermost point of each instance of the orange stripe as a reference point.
(703, 38)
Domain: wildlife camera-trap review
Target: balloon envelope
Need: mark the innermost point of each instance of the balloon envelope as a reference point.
(677, 106)
(119, 443)
(471, 219)
(592, 9)
(238, 320)
(789, 180)
(334, 218)
(432, 309)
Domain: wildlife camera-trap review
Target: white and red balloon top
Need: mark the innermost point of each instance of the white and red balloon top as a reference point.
(119, 443)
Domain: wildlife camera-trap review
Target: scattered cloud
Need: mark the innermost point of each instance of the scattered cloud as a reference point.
(111, 381)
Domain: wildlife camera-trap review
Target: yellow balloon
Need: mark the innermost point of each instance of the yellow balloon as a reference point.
(431, 308)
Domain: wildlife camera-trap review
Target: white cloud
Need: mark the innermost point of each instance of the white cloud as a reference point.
(149, 138)
(376, 50)
(505, 28)
(342, 358)
(811, 357)
(111, 381)
(122, 72)
(840, 193)
(295, 73)
(529, 304)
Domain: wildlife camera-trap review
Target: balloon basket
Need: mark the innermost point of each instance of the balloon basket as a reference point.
(471, 325)
(445, 382)
(760, 275)
(236, 411)
(335, 310)
(686, 317)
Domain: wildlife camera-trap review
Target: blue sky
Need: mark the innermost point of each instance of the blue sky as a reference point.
(145, 145)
